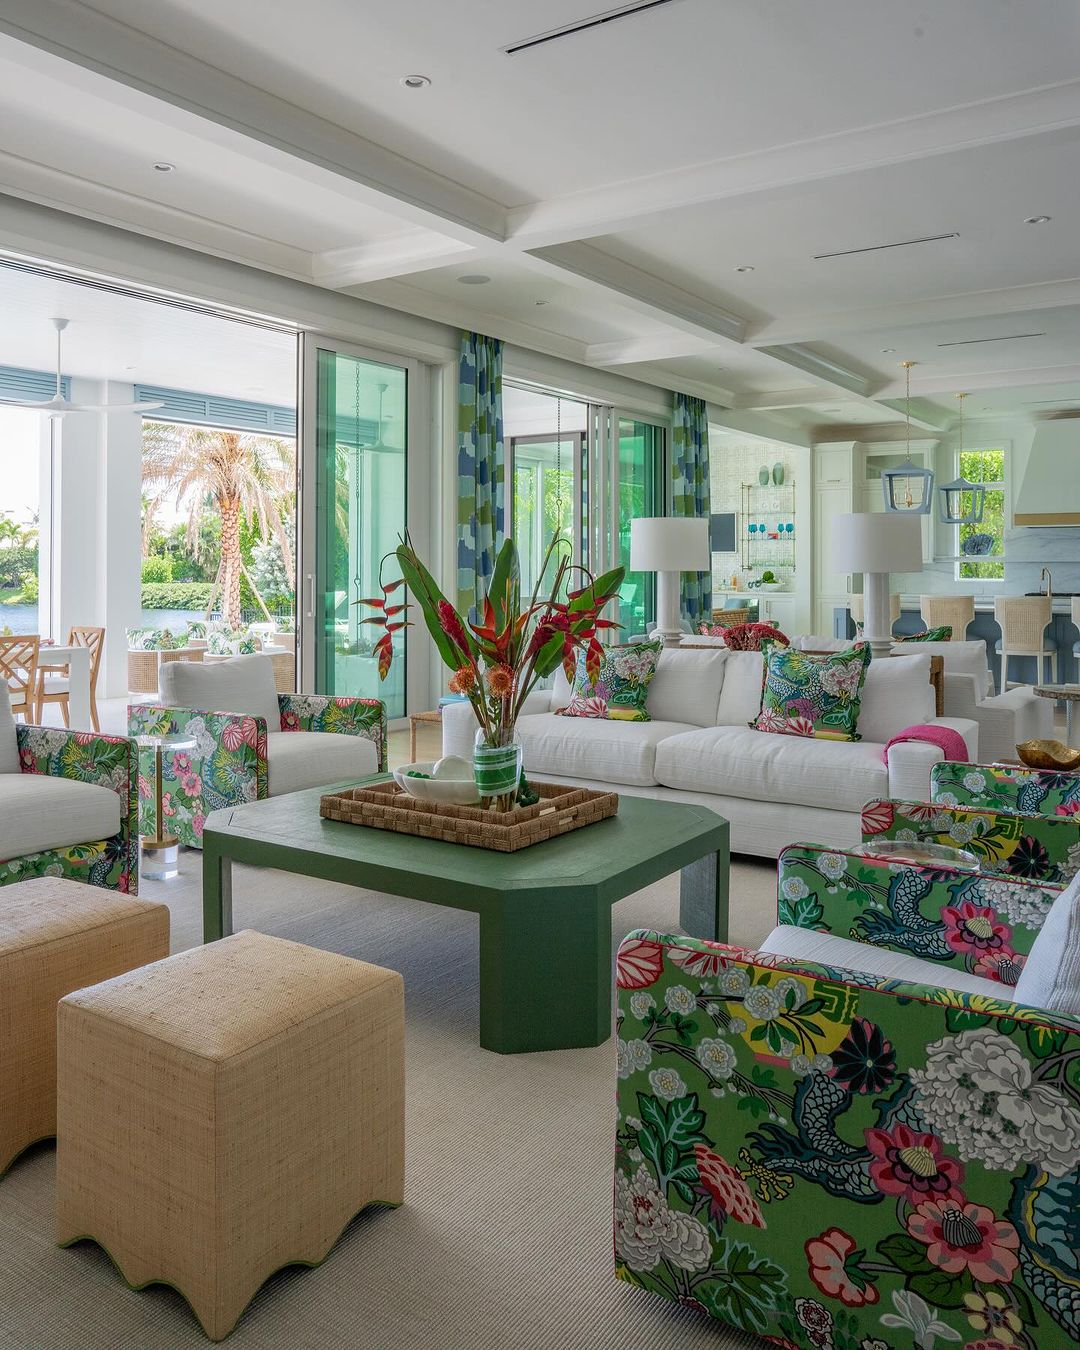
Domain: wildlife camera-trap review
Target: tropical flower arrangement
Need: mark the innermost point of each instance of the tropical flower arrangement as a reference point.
(498, 661)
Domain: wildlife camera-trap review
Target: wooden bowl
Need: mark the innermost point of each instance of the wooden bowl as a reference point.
(1049, 755)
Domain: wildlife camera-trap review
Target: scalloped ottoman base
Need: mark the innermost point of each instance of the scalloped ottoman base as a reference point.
(226, 1112)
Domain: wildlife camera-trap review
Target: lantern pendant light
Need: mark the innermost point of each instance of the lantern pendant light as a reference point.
(952, 494)
(908, 489)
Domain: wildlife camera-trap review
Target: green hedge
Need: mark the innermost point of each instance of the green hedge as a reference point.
(176, 595)
(157, 571)
(14, 562)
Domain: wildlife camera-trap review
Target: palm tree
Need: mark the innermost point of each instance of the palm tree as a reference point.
(244, 476)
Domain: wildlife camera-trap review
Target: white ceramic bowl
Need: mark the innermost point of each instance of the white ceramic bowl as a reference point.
(451, 782)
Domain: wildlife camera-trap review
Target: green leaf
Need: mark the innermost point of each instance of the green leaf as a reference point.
(505, 586)
(962, 1019)
(906, 1253)
(422, 584)
(685, 1121)
(550, 655)
(1046, 1041)
(744, 1288)
(940, 1289)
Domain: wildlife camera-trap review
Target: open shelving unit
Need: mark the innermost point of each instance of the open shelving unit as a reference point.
(772, 506)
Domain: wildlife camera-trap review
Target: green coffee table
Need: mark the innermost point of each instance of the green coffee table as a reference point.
(545, 920)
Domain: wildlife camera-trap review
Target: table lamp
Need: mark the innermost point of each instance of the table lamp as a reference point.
(669, 546)
(875, 544)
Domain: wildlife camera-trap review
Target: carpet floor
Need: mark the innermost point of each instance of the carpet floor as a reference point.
(504, 1239)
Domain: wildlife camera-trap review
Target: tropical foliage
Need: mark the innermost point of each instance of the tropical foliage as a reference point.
(247, 481)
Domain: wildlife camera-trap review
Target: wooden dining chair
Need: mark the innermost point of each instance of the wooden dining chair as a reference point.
(54, 681)
(18, 669)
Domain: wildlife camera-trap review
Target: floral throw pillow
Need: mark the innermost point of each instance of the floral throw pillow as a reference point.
(621, 688)
(942, 634)
(804, 695)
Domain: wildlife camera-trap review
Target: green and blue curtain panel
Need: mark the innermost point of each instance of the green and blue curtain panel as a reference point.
(481, 503)
(690, 490)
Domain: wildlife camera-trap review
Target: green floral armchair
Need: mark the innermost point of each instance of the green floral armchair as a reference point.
(834, 1160)
(84, 757)
(229, 764)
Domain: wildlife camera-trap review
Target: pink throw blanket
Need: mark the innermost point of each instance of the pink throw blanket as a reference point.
(948, 741)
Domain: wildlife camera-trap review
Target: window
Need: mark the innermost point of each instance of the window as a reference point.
(641, 493)
(543, 500)
(986, 467)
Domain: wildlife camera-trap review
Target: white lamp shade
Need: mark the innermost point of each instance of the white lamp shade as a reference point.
(876, 541)
(669, 544)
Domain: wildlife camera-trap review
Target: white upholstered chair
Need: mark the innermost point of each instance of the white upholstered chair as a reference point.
(1023, 620)
(948, 611)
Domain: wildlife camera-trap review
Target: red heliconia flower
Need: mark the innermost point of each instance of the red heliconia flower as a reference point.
(452, 626)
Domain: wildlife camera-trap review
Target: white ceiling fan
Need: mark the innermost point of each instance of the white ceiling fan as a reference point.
(58, 406)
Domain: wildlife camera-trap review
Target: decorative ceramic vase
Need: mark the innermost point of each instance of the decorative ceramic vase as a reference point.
(778, 473)
(497, 769)
(763, 475)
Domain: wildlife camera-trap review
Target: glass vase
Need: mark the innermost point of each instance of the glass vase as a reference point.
(497, 769)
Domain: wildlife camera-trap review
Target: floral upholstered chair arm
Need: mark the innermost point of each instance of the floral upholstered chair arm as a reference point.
(346, 716)
(226, 767)
(1040, 848)
(1004, 787)
(985, 924)
(85, 757)
(828, 1163)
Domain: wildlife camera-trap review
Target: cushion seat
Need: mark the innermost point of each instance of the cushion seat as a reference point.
(307, 759)
(1048, 649)
(57, 684)
(804, 944)
(38, 812)
(738, 762)
(591, 747)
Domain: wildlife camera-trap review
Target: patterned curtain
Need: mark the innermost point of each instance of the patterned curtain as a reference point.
(481, 502)
(690, 491)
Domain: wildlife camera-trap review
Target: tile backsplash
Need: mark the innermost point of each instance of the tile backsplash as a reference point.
(1028, 549)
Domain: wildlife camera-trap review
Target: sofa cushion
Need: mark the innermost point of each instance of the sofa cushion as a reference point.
(686, 686)
(739, 762)
(621, 689)
(241, 684)
(804, 944)
(1050, 978)
(580, 747)
(38, 812)
(9, 745)
(897, 695)
(305, 759)
(816, 696)
(740, 696)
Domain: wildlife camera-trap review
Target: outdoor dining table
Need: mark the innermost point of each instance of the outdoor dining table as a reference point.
(77, 660)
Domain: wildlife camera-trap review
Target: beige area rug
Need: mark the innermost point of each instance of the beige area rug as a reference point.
(505, 1236)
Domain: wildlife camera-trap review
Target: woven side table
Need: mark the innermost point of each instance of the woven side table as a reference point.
(55, 936)
(226, 1112)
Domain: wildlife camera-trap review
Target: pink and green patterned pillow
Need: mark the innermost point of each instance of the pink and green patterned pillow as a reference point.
(819, 696)
(622, 684)
(941, 634)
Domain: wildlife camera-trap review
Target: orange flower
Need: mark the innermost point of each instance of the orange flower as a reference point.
(500, 681)
(462, 680)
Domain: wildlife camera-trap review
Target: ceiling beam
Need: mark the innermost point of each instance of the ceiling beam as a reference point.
(932, 385)
(819, 368)
(662, 347)
(403, 255)
(806, 396)
(641, 201)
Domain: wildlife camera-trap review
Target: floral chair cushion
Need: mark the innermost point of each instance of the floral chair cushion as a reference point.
(943, 633)
(230, 642)
(152, 640)
(621, 689)
(804, 695)
(1006, 788)
(844, 1163)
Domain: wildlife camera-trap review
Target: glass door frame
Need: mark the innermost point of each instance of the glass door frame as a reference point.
(420, 495)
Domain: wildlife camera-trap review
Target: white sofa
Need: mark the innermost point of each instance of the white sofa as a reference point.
(698, 748)
(1004, 719)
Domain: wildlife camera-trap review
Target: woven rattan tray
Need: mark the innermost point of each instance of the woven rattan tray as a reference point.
(384, 806)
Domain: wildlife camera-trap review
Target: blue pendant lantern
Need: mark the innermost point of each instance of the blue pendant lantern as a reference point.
(952, 494)
(908, 489)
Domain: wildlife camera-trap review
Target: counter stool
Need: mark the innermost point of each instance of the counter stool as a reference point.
(855, 608)
(1023, 620)
(1074, 607)
(226, 1112)
(948, 611)
(57, 935)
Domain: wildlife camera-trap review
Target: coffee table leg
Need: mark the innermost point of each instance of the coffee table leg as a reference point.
(217, 895)
(545, 974)
(703, 896)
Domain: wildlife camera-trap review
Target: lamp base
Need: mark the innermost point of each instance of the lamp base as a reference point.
(668, 609)
(876, 614)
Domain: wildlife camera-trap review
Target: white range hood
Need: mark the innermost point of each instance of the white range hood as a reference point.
(1049, 492)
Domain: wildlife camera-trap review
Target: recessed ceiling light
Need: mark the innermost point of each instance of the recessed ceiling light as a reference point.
(474, 279)
(744, 268)
(415, 81)
(163, 166)
(539, 302)
(887, 351)
(1037, 220)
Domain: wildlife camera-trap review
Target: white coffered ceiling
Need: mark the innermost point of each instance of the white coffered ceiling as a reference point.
(609, 183)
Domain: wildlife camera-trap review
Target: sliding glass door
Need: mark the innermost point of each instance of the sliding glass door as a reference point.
(358, 413)
(544, 488)
(640, 490)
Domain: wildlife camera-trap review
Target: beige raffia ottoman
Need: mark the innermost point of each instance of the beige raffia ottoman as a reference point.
(226, 1112)
(55, 936)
